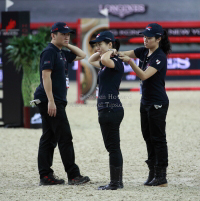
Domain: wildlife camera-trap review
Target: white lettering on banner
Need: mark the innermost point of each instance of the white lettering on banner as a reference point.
(126, 32)
(130, 77)
(182, 32)
(123, 10)
(172, 63)
(129, 32)
(178, 63)
(11, 32)
(171, 32)
(196, 32)
(127, 67)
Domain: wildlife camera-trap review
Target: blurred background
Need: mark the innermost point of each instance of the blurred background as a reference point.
(24, 18)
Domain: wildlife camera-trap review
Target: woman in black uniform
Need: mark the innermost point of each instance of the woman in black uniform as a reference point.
(154, 102)
(110, 110)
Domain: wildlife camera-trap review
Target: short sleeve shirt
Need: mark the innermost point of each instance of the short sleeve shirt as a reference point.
(109, 80)
(153, 88)
(56, 60)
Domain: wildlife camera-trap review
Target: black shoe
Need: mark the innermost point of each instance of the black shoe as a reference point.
(160, 178)
(51, 179)
(116, 179)
(110, 186)
(78, 180)
(161, 182)
(149, 179)
(151, 172)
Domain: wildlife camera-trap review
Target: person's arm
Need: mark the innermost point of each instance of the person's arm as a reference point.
(77, 51)
(105, 58)
(47, 83)
(94, 60)
(129, 53)
(143, 75)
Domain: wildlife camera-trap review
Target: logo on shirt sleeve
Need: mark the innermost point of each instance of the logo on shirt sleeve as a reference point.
(158, 61)
(47, 62)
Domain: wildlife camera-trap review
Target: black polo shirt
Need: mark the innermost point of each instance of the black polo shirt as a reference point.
(153, 88)
(56, 60)
(109, 80)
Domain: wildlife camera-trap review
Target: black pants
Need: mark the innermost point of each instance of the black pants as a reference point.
(110, 123)
(153, 129)
(56, 130)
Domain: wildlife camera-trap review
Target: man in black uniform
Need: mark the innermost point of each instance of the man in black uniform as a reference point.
(52, 95)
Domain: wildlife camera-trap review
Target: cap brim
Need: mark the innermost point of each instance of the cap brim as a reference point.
(99, 39)
(66, 31)
(147, 33)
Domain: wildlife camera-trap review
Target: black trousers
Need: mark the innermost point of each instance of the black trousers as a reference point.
(110, 123)
(56, 130)
(153, 129)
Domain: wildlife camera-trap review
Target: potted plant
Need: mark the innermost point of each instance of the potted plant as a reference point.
(24, 52)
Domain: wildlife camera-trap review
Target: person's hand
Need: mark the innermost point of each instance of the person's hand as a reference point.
(51, 108)
(121, 53)
(114, 52)
(125, 58)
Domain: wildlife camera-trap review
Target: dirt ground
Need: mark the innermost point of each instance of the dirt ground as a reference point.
(18, 153)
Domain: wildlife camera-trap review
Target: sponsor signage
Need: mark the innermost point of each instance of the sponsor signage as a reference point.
(123, 10)
(172, 64)
(15, 24)
(135, 32)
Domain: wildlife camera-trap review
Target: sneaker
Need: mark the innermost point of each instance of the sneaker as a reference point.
(78, 180)
(51, 179)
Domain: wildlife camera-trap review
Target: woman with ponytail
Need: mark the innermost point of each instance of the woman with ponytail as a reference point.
(154, 101)
(110, 109)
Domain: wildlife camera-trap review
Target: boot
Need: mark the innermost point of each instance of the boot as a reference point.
(151, 172)
(115, 179)
(160, 177)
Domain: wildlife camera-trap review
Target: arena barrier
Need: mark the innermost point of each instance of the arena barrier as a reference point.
(185, 72)
(172, 73)
(179, 73)
(167, 89)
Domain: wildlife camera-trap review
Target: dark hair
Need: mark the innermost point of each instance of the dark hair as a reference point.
(165, 44)
(56, 32)
(115, 44)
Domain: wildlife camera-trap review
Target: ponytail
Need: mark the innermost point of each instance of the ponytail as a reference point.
(165, 44)
(115, 44)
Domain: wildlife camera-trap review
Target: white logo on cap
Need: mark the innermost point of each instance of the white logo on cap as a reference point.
(66, 27)
(97, 35)
(148, 28)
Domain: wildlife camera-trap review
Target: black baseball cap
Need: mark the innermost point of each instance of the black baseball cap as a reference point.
(61, 27)
(104, 35)
(153, 30)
